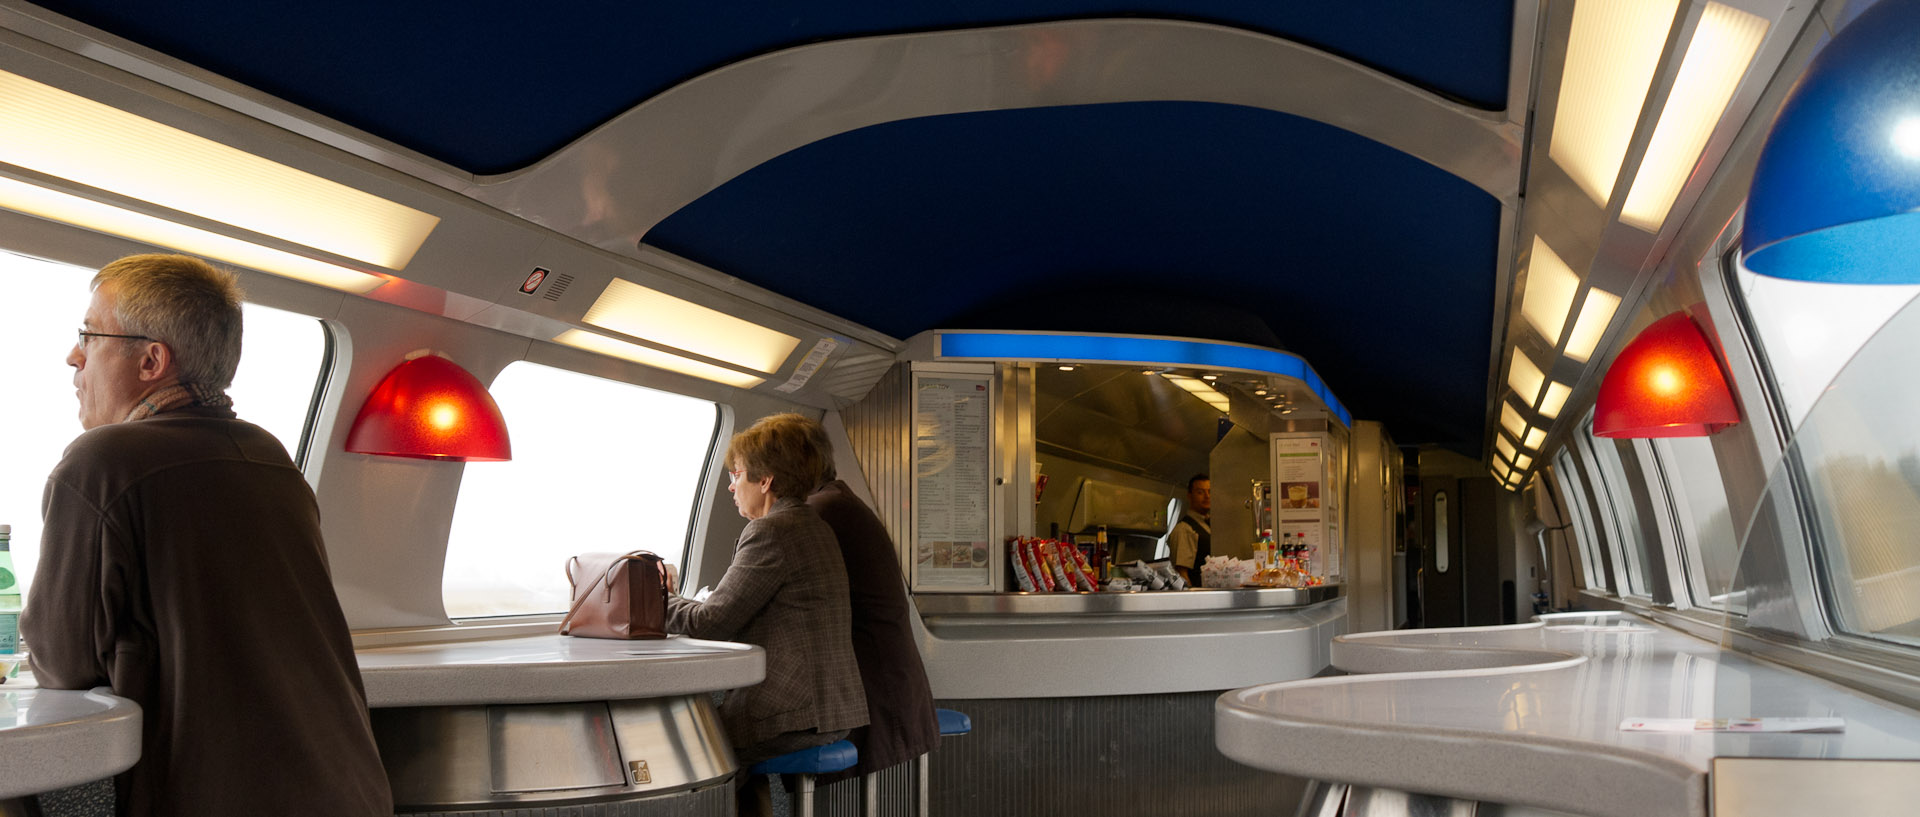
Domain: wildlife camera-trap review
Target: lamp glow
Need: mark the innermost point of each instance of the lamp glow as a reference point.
(82, 212)
(649, 356)
(74, 138)
(430, 408)
(1666, 382)
(1551, 285)
(1555, 400)
(1596, 312)
(1836, 193)
(1525, 377)
(632, 309)
(1723, 45)
(1612, 53)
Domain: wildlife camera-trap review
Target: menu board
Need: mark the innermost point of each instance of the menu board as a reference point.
(952, 482)
(1300, 494)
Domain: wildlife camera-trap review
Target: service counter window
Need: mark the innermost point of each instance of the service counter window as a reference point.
(598, 466)
(283, 358)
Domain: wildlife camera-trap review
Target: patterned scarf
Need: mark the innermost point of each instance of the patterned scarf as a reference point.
(177, 395)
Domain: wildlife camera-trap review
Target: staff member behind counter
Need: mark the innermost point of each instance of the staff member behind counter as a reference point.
(786, 592)
(1192, 537)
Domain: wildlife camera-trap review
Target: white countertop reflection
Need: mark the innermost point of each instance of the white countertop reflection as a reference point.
(52, 738)
(1530, 715)
(551, 668)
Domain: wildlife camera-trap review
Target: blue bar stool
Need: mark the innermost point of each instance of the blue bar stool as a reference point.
(806, 763)
(952, 724)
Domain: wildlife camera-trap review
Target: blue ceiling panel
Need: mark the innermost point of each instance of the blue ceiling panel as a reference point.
(490, 86)
(1205, 220)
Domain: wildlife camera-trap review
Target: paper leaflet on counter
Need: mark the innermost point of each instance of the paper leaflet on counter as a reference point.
(1734, 725)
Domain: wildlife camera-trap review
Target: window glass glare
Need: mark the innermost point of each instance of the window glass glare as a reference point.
(1854, 465)
(274, 387)
(1809, 330)
(1615, 508)
(598, 466)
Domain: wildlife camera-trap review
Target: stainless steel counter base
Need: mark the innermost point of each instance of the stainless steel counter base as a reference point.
(509, 757)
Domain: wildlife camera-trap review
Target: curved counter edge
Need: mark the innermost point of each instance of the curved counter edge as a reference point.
(61, 738)
(554, 669)
(1061, 661)
(1467, 764)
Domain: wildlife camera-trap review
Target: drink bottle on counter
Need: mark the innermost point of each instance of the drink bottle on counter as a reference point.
(9, 597)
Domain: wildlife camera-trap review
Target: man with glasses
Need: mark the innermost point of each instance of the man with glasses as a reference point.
(182, 565)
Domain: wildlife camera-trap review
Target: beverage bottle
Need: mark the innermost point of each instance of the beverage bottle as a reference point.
(9, 597)
(1100, 551)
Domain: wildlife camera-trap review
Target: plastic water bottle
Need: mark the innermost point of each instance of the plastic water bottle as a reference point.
(9, 596)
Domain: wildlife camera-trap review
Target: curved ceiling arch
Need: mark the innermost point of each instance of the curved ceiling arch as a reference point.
(612, 186)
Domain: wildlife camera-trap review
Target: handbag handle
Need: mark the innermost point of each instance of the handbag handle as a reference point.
(606, 579)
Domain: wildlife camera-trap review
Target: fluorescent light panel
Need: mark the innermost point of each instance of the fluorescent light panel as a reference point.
(1522, 462)
(1595, 313)
(1612, 54)
(35, 200)
(74, 138)
(1551, 285)
(1525, 377)
(1555, 400)
(1510, 420)
(635, 310)
(1505, 447)
(1534, 438)
(1202, 390)
(1723, 44)
(647, 355)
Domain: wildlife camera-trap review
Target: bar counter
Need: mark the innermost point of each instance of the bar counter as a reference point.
(53, 738)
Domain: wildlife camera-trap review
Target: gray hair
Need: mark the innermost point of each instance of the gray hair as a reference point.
(185, 303)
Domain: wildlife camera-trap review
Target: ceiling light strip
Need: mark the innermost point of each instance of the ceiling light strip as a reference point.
(1525, 377)
(581, 339)
(71, 137)
(1555, 400)
(631, 309)
(1595, 315)
(1723, 44)
(1548, 297)
(66, 208)
(1612, 54)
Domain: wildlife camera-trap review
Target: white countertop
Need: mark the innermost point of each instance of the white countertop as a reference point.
(553, 668)
(1540, 726)
(51, 738)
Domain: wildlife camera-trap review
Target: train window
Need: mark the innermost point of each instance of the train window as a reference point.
(1807, 331)
(598, 465)
(1573, 499)
(284, 355)
(1614, 499)
(1708, 547)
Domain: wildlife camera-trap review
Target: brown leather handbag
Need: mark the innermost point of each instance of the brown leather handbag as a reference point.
(617, 595)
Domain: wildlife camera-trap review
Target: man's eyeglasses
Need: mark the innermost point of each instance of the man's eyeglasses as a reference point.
(734, 476)
(85, 335)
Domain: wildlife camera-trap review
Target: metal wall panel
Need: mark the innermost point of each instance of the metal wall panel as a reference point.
(713, 801)
(881, 429)
(1110, 756)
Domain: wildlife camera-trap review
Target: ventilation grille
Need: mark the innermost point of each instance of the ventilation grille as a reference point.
(558, 287)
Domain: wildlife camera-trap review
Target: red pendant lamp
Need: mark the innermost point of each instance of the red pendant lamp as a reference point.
(430, 408)
(1665, 383)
